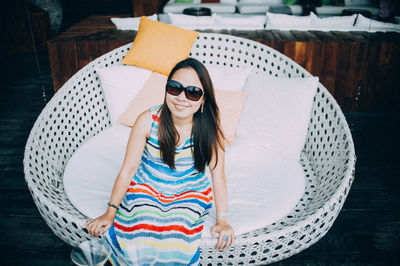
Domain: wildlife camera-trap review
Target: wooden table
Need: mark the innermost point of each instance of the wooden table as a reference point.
(360, 69)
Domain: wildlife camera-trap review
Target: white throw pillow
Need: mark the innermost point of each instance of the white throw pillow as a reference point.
(229, 79)
(370, 23)
(282, 21)
(120, 85)
(267, 2)
(283, 115)
(334, 21)
(130, 23)
(226, 7)
(357, 2)
(182, 19)
(241, 20)
(252, 8)
(231, 2)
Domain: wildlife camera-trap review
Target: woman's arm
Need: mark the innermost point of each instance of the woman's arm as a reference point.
(134, 150)
(221, 201)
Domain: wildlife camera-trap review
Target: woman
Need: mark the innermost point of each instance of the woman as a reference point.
(161, 210)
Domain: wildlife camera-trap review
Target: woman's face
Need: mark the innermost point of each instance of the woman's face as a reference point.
(179, 105)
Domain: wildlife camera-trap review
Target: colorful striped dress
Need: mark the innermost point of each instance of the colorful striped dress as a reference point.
(161, 217)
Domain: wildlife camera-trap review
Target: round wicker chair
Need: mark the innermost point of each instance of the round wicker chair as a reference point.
(78, 112)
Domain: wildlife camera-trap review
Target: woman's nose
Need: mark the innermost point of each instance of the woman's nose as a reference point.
(181, 96)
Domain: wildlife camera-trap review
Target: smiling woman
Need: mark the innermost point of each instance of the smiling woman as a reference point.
(158, 214)
(182, 111)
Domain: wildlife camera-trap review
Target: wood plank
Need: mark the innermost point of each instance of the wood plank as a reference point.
(343, 36)
(289, 36)
(37, 257)
(299, 35)
(39, 234)
(330, 66)
(366, 99)
(69, 64)
(20, 204)
(324, 36)
(364, 200)
(342, 74)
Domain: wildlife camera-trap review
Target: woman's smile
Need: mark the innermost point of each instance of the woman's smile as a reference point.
(179, 106)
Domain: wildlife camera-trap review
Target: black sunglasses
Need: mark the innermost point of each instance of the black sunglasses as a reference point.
(192, 93)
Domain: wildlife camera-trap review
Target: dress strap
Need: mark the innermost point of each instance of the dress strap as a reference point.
(155, 114)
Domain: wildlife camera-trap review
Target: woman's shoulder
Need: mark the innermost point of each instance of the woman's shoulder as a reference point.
(143, 122)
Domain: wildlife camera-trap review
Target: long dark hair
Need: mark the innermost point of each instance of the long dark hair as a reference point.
(206, 129)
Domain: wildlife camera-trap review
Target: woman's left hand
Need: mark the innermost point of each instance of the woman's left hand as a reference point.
(226, 234)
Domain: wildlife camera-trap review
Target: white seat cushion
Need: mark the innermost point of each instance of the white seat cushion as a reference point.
(263, 186)
(252, 8)
(216, 21)
(374, 25)
(333, 21)
(276, 184)
(283, 21)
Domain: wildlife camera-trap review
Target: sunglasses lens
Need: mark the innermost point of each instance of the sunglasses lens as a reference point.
(193, 93)
(174, 88)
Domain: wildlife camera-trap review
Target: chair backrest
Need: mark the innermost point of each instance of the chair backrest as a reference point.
(236, 52)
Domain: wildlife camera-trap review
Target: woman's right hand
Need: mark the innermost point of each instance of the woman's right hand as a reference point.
(101, 224)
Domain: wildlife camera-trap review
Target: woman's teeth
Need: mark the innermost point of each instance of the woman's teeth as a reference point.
(179, 107)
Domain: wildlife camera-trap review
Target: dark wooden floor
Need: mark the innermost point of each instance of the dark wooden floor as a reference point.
(366, 232)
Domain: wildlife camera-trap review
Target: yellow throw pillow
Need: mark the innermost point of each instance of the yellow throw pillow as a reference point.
(159, 46)
(230, 104)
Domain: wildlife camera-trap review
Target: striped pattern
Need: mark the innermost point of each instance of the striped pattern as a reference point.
(162, 213)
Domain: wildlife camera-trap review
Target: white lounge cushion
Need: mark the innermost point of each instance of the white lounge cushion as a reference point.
(267, 2)
(357, 2)
(216, 21)
(232, 2)
(91, 172)
(252, 8)
(337, 10)
(374, 25)
(276, 184)
(172, 7)
(283, 21)
(296, 9)
(130, 23)
(120, 85)
(238, 21)
(328, 10)
(334, 21)
(182, 20)
(263, 186)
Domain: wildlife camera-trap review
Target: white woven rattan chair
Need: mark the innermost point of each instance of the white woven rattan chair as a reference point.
(78, 112)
